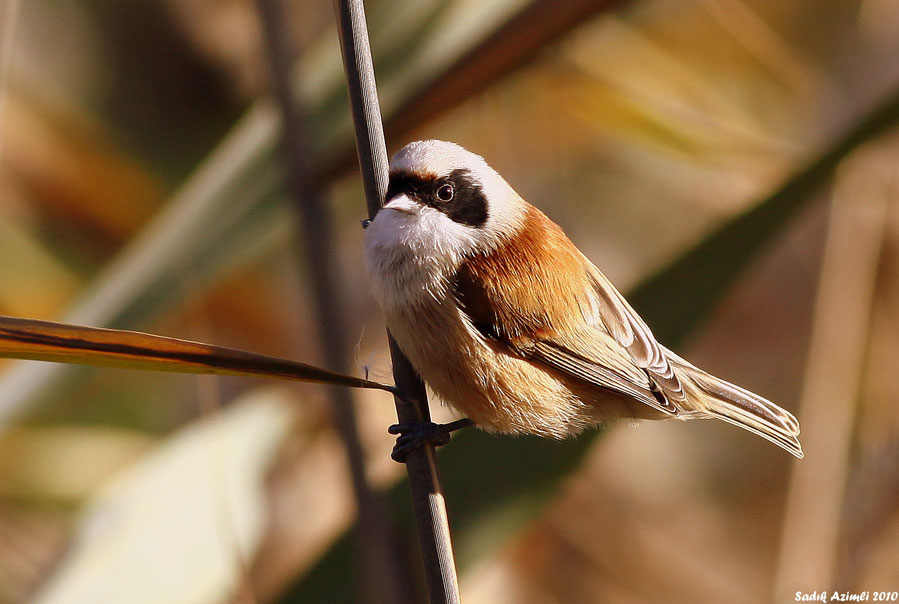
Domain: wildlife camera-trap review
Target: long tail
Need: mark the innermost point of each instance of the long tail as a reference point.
(741, 407)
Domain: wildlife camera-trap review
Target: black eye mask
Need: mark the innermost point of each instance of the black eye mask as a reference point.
(468, 205)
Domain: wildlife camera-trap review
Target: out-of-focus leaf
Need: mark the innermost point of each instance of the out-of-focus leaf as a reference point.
(71, 170)
(677, 298)
(61, 343)
(124, 546)
(494, 484)
(660, 103)
(32, 280)
(65, 464)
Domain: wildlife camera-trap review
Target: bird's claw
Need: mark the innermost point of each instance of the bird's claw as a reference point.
(413, 435)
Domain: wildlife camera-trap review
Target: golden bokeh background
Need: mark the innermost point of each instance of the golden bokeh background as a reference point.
(141, 188)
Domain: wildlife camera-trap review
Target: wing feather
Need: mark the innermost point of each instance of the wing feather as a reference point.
(596, 372)
(626, 326)
(539, 296)
(589, 355)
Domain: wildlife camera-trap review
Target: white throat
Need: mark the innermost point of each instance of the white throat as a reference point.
(412, 252)
(413, 249)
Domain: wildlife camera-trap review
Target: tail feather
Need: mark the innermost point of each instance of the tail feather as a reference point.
(741, 407)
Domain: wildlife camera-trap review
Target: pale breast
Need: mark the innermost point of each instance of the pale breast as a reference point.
(499, 392)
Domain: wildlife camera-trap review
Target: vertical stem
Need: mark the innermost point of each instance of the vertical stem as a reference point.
(380, 578)
(835, 367)
(411, 399)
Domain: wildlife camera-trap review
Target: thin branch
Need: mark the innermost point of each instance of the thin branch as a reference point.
(411, 399)
(380, 570)
(75, 344)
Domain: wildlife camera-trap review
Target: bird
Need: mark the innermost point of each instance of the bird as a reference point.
(511, 325)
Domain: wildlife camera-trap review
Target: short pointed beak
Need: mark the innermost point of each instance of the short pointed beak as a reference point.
(403, 204)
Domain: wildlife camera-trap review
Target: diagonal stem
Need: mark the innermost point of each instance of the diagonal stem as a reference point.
(411, 399)
(380, 576)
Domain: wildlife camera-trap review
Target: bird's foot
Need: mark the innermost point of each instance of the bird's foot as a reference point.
(413, 435)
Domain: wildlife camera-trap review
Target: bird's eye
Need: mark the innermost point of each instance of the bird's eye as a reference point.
(445, 192)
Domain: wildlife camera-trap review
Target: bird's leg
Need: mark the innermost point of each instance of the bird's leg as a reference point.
(413, 435)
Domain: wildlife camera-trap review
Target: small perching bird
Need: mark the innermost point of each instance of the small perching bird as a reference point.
(510, 324)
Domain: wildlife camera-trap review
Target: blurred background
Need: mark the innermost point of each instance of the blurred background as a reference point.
(731, 164)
